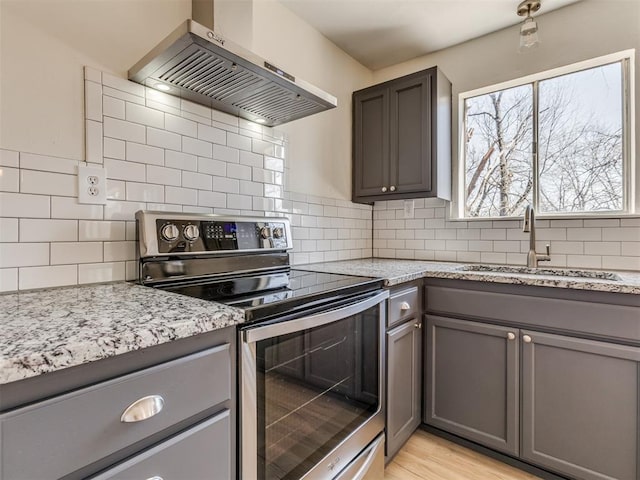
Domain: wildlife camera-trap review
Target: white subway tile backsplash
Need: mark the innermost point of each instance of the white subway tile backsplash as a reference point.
(164, 176)
(212, 134)
(44, 163)
(197, 109)
(251, 188)
(211, 166)
(91, 231)
(239, 142)
(584, 234)
(621, 263)
(118, 210)
(8, 229)
(94, 141)
(8, 279)
(23, 254)
(9, 158)
(239, 202)
(180, 160)
(164, 139)
(198, 181)
(631, 249)
(212, 199)
(114, 148)
(93, 101)
(123, 170)
(113, 107)
(69, 208)
(32, 181)
(9, 179)
(144, 192)
(119, 251)
(176, 124)
(128, 97)
(122, 84)
(251, 159)
(183, 196)
(144, 115)
(629, 234)
(101, 272)
(24, 206)
(44, 277)
(262, 147)
(163, 98)
(123, 130)
(47, 230)
(145, 154)
(65, 253)
(226, 154)
(601, 248)
(226, 185)
(197, 147)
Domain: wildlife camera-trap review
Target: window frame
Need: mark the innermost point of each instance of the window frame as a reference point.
(626, 59)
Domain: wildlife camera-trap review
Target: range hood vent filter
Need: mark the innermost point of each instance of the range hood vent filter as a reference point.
(195, 64)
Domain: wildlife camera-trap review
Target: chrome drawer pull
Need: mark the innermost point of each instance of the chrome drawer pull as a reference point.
(405, 306)
(144, 408)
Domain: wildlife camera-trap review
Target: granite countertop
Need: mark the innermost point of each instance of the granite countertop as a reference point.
(48, 330)
(399, 271)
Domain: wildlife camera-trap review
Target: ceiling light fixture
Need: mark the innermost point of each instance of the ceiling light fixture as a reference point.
(529, 28)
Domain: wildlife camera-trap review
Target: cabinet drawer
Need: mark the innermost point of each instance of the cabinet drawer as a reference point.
(403, 304)
(200, 453)
(68, 432)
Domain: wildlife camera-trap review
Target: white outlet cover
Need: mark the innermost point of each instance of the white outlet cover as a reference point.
(92, 192)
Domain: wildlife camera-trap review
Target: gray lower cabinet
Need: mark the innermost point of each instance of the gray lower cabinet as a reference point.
(404, 375)
(580, 406)
(188, 455)
(176, 416)
(471, 384)
(550, 376)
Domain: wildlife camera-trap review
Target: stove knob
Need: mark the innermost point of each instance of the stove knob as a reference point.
(191, 232)
(170, 232)
(265, 232)
(278, 232)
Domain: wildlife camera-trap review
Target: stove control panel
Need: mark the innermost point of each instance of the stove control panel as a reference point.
(163, 233)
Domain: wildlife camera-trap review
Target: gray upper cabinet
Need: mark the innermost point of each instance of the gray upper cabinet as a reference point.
(580, 406)
(471, 385)
(402, 138)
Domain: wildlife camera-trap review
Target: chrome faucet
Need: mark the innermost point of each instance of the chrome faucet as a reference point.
(529, 225)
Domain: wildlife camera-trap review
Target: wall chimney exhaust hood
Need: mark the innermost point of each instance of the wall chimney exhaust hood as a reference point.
(199, 65)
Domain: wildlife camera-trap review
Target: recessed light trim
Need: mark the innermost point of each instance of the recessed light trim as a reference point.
(162, 87)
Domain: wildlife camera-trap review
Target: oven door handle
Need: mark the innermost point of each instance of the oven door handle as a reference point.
(296, 325)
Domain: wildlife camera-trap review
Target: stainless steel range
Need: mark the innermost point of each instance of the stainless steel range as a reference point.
(310, 350)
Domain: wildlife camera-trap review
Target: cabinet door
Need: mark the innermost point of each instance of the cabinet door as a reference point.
(471, 385)
(404, 373)
(580, 406)
(410, 135)
(370, 142)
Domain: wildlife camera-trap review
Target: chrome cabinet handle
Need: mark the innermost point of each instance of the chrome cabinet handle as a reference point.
(142, 409)
(527, 339)
(384, 189)
(392, 188)
(511, 336)
(417, 325)
(405, 306)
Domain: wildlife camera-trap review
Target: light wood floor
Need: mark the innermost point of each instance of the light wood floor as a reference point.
(427, 457)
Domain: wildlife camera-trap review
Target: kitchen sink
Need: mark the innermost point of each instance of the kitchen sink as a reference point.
(553, 272)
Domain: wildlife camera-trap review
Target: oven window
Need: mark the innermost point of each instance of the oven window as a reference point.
(315, 388)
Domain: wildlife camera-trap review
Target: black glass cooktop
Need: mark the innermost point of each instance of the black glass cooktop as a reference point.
(278, 293)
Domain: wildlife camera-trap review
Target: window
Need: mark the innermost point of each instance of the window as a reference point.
(556, 140)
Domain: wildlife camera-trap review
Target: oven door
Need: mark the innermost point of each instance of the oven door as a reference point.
(311, 390)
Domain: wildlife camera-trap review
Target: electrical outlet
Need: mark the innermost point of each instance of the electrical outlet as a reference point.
(92, 185)
(409, 208)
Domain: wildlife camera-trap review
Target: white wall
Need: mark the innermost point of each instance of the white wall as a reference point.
(580, 31)
(45, 44)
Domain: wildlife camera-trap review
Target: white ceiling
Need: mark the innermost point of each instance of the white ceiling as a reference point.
(379, 33)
